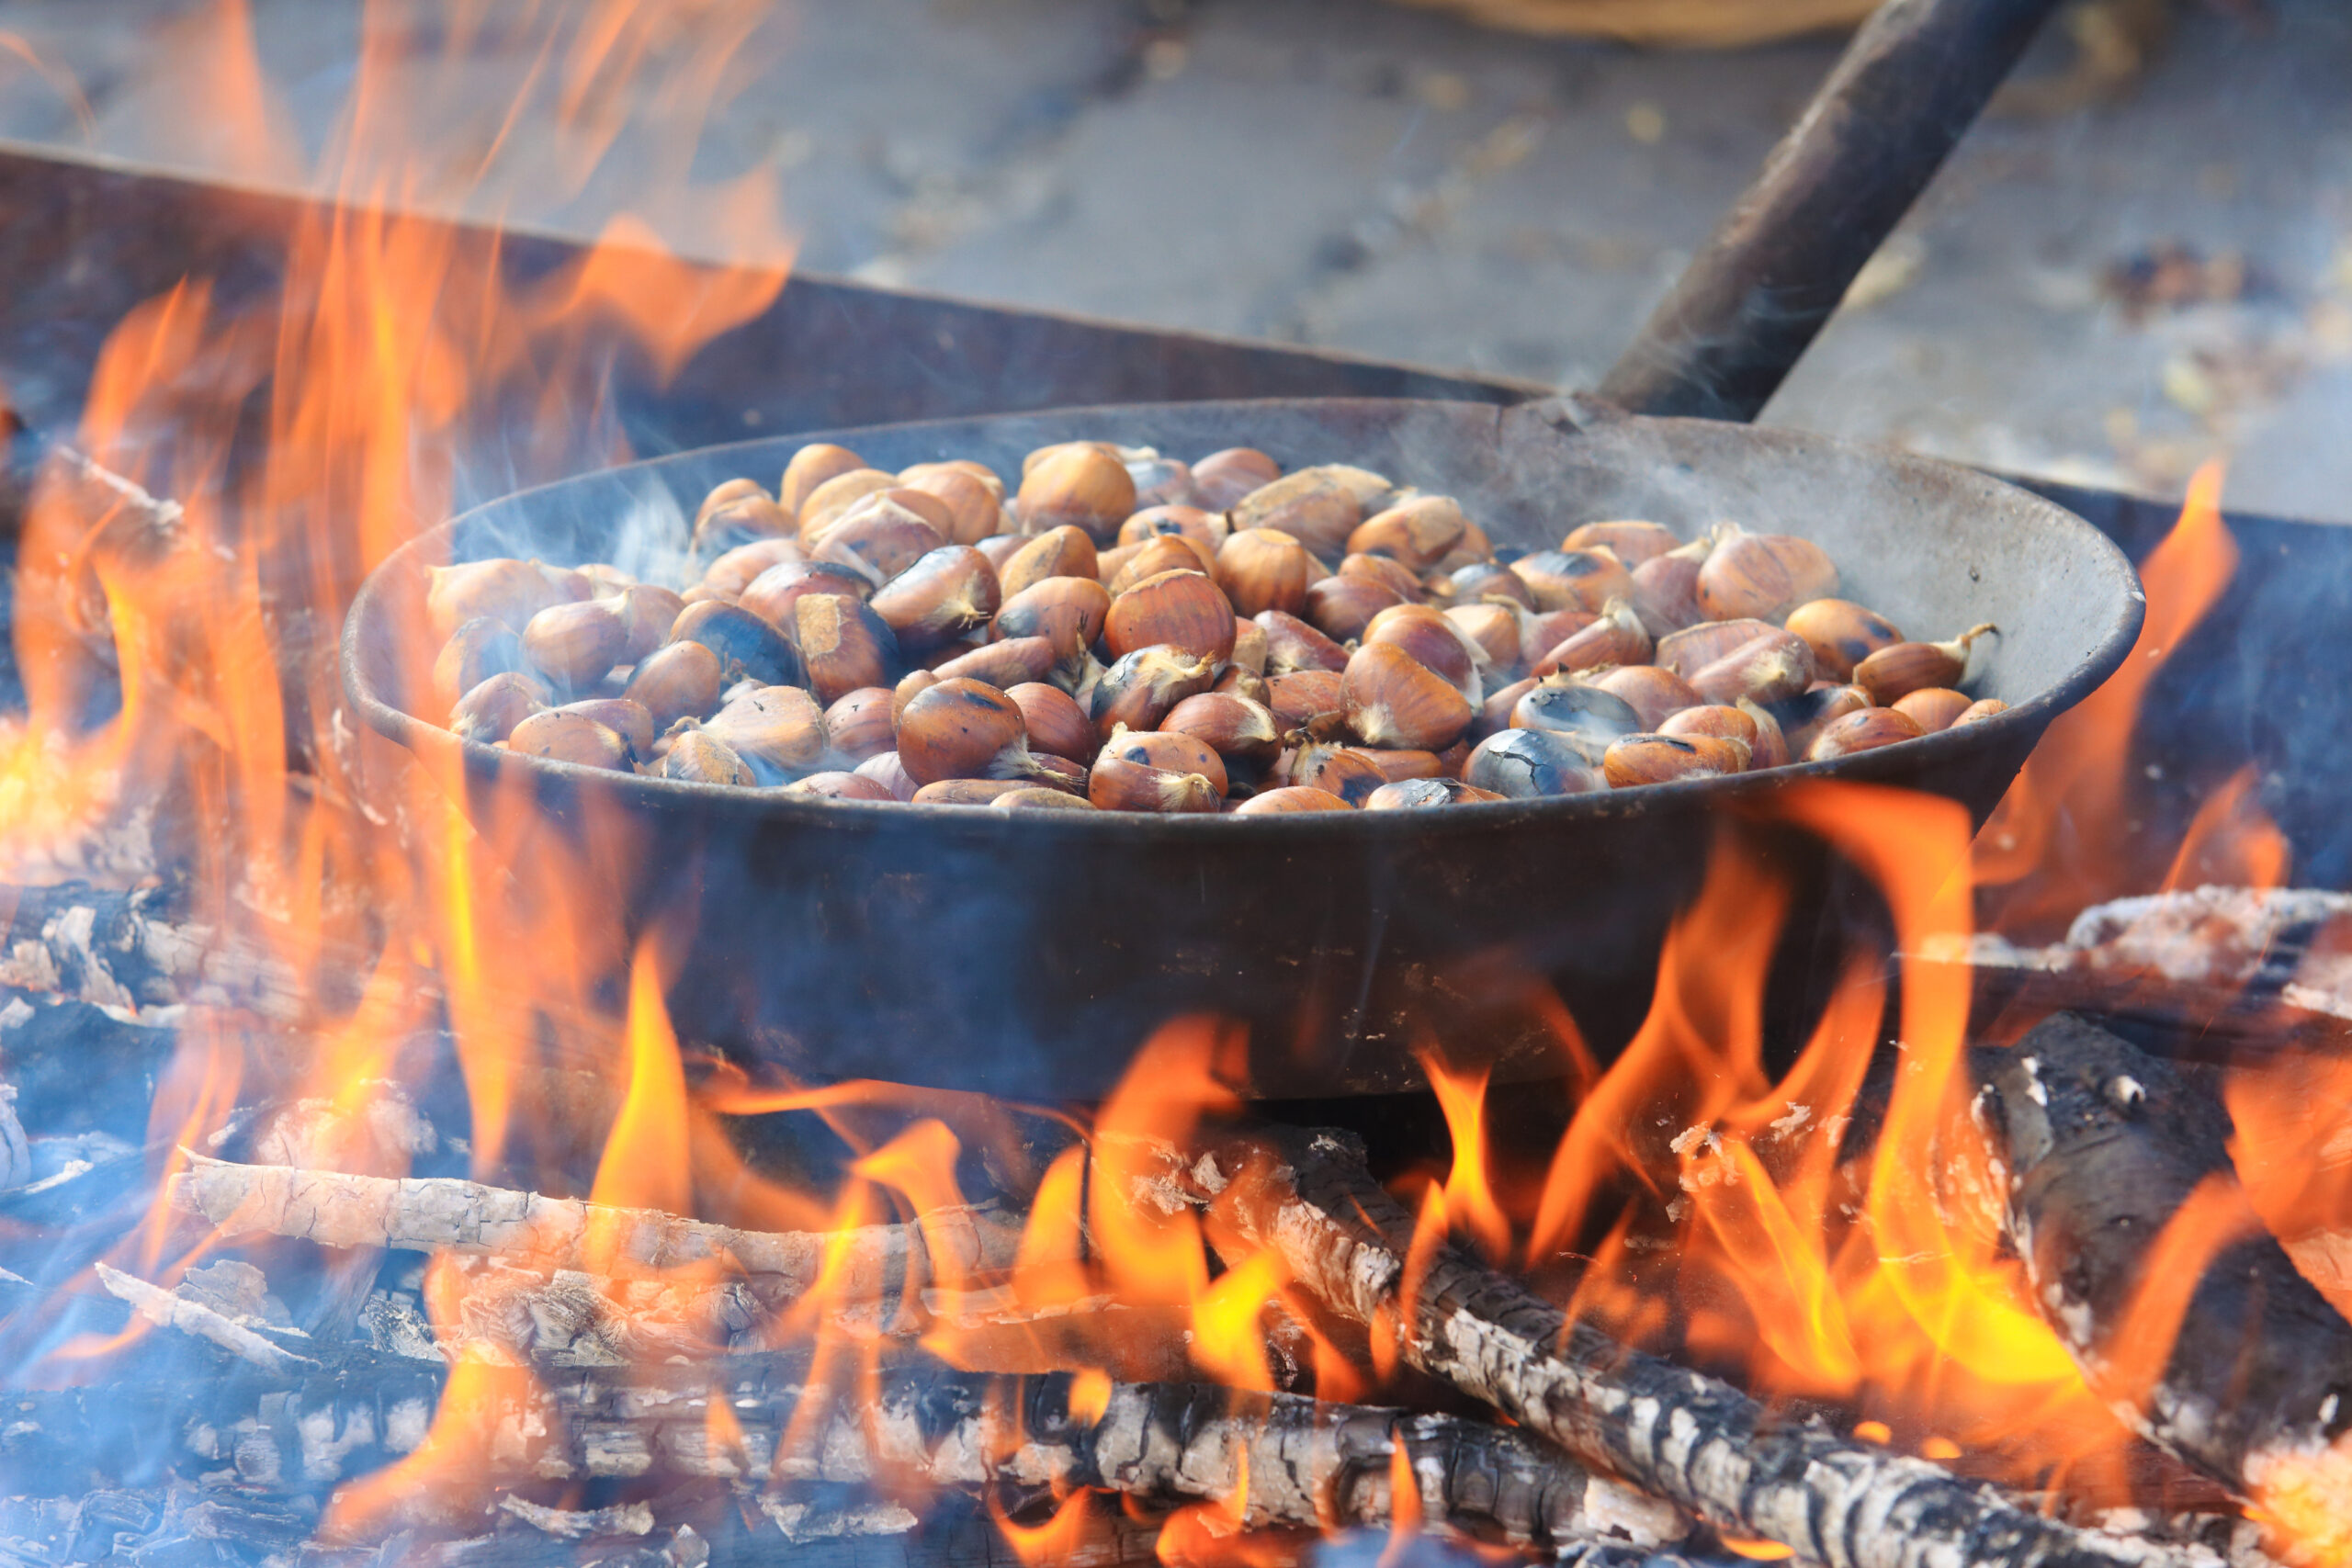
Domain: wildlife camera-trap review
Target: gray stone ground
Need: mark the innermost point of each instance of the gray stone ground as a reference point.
(1388, 181)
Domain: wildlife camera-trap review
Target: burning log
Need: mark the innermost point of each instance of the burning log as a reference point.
(2122, 1198)
(432, 1214)
(2217, 972)
(1676, 1434)
(1272, 1460)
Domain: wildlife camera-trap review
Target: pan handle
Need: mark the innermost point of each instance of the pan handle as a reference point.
(1745, 310)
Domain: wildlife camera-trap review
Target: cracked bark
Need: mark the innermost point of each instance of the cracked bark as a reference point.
(1676, 1434)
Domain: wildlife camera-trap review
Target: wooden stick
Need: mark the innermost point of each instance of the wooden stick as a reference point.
(432, 1214)
(166, 1309)
(1674, 1434)
(2204, 1334)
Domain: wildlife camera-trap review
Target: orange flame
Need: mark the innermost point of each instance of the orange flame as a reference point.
(2060, 840)
(1469, 1199)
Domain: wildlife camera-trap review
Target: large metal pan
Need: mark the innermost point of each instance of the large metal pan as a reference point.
(1030, 954)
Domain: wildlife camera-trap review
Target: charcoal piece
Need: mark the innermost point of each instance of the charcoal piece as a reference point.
(2104, 1144)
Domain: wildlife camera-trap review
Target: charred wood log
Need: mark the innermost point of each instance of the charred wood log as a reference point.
(1674, 1434)
(1273, 1460)
(2151, 1266)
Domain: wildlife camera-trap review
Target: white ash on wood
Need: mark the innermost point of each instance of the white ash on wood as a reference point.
(1275, 1460)
(2104, 1146)
(1674, 1433)
(430, 1214)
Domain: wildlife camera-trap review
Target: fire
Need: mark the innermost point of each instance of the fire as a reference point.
(1799, 1228)
(2060, 840)
(1468, 1198)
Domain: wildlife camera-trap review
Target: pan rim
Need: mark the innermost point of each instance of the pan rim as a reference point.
(778, 803)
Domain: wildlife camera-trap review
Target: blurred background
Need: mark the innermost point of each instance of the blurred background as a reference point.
(2142, 259)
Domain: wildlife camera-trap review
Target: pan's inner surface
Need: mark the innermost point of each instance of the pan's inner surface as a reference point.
(1031, 956)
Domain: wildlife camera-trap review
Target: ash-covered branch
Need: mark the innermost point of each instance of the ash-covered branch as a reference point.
(431, 1213)
(166, 1309)
(2123, 1203)
(1676, 1434)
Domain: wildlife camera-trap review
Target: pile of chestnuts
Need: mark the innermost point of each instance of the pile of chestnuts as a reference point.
(1126, 632)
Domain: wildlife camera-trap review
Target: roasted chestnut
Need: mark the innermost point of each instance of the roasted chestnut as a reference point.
(860, 725)
(1006, 664)
(1264, 568)
(1933, 708)
(1292, 797)
(973, 508)
(843, 645)
(476, 651)
(629, 720)
(1907, 667)
(1320, 507)
(1341, 607)
(1586, 717)
(1069, 612)
(508, 591)
(962, 729)
(1650, 691)
(1416, 795)
(489, 712)
(1293, 645)
(574, 645)
(699, 757)
(1035, 798)
(1636, 760)
(834, 785)
(1056, 725)
(1142, 687)
(1348, 772)
(810, 467)
(1222, 479)
(1236, 728)
(945, 594)
(1763, 576)
(772, 593)
(779, 731)
(570, 738)
(1176, 609)
(1865, 730)
(1616, 637)
(1395, 700)
(1417, 532)
(1631, 542)
(1169, 750)
(680, 680)
(747, 647)
(1057, 552)
(1299, 698)
(1526, 764)
(1574, 580)
(1117, 783)
(1841, 635)
(1076, 486)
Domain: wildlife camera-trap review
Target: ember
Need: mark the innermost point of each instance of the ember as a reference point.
(406, 1158)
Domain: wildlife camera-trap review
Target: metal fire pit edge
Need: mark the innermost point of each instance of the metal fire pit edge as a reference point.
(1033, 954)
